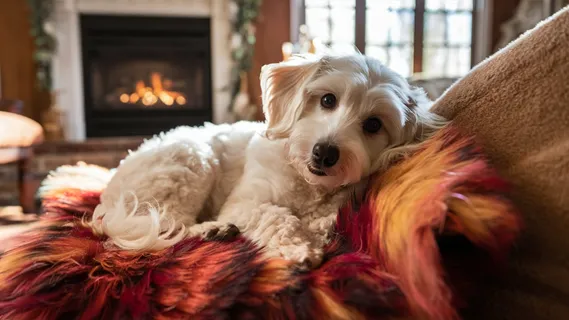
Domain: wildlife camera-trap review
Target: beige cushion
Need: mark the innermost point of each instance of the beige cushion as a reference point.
(8, 155)
(18, 131)
(517, 104)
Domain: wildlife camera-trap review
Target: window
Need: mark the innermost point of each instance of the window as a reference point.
(428, 37)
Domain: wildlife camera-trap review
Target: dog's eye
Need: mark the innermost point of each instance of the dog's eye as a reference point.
(372, 125)
(328, 101)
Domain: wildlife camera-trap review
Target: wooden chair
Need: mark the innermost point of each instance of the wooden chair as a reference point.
(13, 106)
(18, 135)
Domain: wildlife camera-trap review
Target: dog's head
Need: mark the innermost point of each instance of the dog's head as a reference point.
(344, 117)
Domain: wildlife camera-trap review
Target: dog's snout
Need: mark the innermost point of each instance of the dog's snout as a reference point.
(325, 154)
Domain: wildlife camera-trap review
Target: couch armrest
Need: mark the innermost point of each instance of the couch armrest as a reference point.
(517, 105)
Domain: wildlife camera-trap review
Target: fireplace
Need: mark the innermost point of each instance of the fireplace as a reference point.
(145, 74)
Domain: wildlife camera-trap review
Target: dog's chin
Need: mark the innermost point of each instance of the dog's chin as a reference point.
(326, 178)
(316, 172)
(318, 177)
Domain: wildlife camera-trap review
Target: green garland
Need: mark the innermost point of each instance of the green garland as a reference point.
(44, 39)
(243, 40)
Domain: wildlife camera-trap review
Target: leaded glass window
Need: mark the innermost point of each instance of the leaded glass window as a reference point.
(431, 37)
(333, 21)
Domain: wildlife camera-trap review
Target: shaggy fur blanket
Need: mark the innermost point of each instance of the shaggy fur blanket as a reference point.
(429, 227)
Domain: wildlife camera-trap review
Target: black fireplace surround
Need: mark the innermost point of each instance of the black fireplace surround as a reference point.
(144, 75)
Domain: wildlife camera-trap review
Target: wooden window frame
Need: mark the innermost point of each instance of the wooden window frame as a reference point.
(481, 29)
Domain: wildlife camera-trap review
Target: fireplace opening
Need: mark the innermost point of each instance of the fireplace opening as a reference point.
(158, 93)
(144, 75)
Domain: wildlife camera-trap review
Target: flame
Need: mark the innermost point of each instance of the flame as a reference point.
(149, 96)
(125, 98)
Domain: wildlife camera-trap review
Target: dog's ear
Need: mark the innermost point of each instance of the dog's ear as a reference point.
(425, 122)
(282, 86)
(421, 124)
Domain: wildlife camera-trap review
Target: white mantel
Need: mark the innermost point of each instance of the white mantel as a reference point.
(67, 65)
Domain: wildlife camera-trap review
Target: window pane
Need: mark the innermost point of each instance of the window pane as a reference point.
(315, 3)
(317, 21)
(460, 28)
(389, 32)
(343, 3)
(434, 4)
(343, 48)
(343, 25)
(400, 60)
(465, 5)
(332, 21)
(446, 62)
(465, 56)
(403, 30)
(450, 5)
(377, 26)
(379, 53)
(435, 25)
(453, 5)
(384, 27)
(394, 4)
(434, 61)
(458, 62)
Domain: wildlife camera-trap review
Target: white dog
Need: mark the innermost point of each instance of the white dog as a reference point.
(331, 122)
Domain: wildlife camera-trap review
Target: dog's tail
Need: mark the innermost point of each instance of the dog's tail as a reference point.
(132, 225)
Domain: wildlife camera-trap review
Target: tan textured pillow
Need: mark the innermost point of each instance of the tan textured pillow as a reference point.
(517, 104)
(18, 131)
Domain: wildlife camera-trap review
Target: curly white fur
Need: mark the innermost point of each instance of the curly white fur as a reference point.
(258, 176)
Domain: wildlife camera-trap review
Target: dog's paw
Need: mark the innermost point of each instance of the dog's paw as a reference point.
(226, 232)
(214, 231)
(305, 266)
(305, 257)
(313, 260)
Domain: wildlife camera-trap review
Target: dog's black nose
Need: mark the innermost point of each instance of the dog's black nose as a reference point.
(325, 154)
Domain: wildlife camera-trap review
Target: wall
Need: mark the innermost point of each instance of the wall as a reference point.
(273, 29)
(16, 58)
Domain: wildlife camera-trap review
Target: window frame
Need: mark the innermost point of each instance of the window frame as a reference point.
(481, 29)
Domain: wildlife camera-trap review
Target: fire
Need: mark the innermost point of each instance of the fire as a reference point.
(157, 91)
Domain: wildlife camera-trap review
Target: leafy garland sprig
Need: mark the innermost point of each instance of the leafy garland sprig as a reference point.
(243, 16)
(45, 43)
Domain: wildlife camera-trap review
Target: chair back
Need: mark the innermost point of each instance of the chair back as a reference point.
(12, 106)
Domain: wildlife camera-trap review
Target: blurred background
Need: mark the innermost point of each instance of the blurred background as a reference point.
(86, 80)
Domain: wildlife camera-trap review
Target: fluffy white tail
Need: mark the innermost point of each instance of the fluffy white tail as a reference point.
(142, 227)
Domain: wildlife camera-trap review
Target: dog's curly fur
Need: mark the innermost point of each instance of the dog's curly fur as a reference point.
(262, 177)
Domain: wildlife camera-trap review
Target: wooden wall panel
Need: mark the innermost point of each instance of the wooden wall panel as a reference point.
(16, 58)
(273, 29)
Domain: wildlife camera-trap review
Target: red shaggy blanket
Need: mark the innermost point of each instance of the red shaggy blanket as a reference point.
(429, 226)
